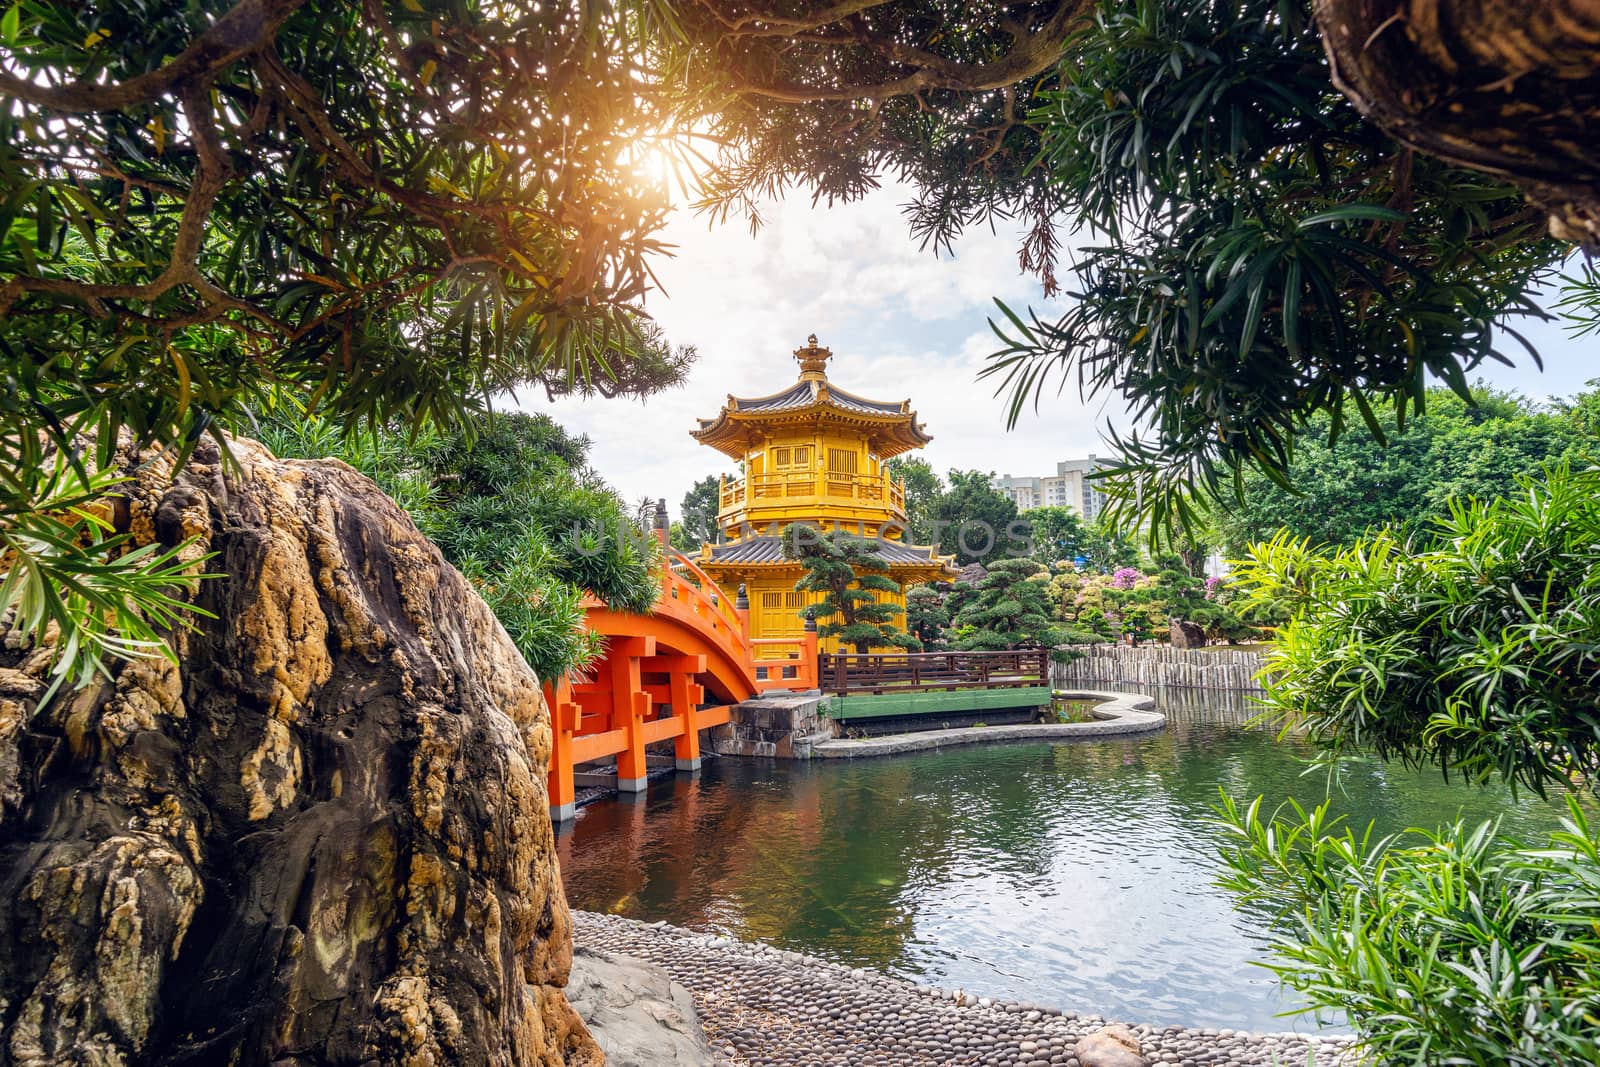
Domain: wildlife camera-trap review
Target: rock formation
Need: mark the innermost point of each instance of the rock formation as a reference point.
(1185, 634)
(320, 838)
(1115, 1045)
(639, 1015)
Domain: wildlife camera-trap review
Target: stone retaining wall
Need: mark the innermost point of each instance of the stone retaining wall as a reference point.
(777, 725)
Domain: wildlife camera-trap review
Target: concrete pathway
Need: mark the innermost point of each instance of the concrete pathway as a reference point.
(1117, 714)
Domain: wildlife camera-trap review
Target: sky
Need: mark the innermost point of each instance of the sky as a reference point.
(902, 324)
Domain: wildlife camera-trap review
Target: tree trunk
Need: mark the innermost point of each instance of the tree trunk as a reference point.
(322, 837)
(1509, 87)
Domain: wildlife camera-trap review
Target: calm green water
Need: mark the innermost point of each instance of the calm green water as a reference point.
(1078, 875)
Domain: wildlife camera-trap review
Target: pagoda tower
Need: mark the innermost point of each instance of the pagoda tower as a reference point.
(814, 454)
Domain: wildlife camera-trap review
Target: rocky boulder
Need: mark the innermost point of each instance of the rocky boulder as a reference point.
(1185, 634)
(321, 837)
(639, 1016)
(1111, 1046)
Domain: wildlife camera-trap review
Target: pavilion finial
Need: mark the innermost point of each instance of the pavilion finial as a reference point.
(813, 360)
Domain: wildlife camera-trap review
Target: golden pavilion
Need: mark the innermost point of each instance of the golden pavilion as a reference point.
(812, 453)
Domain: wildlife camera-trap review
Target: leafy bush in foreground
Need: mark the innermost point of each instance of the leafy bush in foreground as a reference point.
(1455, 947)
(1479, 653)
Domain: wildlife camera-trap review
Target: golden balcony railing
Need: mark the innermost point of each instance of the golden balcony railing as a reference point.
(833, 486)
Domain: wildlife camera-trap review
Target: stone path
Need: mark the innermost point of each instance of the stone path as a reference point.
(762, 1005)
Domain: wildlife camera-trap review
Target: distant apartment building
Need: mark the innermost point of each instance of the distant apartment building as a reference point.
(1069, 487)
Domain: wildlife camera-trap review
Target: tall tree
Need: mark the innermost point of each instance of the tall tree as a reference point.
(699, 512)
(1339, 490)
(976, 522)
(1058, 534)
(923, 488)
(848, 572)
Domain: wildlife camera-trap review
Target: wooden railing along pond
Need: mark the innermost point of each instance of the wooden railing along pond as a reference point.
(843, 673)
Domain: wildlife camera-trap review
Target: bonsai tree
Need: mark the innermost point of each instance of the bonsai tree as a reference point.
(927, 616)
(849, 573)
(1136, 624)
(1010, 608)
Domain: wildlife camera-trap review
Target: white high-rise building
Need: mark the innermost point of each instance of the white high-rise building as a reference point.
(1070, 487)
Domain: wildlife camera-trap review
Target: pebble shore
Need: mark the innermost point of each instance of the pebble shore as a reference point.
(766, 1006)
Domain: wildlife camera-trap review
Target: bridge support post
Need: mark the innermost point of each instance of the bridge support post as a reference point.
(810, 669)
(686, 747)
(632, 704)
(564, 713)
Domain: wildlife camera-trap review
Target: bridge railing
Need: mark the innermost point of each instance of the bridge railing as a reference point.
(786, 662)
(843, 673)
(684, 578)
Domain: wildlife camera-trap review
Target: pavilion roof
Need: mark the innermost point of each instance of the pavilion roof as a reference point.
(891, 425)
(768, 549)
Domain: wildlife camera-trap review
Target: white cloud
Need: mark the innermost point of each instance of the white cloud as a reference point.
(901, 322)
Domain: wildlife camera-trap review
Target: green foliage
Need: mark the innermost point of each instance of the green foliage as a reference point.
(1476, 652)
(699, 513)
(513, 504)
(926, 91)
(1580, 302)
(927, 618)
(1009, 608)
(1085, 604)
(1102, 607)
(1266, 254)
(67, 567)
(1059, 534)
(923, 488)
(1091, 627)
(976, 522)
(1447, 947)
(1340, 490)
(1583, 413)
(1136, 624)
(849, 573)
(396, 210)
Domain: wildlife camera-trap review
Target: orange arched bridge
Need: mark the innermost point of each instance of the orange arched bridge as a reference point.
(665, 676)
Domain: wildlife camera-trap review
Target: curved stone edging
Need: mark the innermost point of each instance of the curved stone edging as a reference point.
(1118, 715)
(763, 1006)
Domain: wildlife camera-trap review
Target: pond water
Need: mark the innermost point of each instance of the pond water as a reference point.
(1077, 875)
